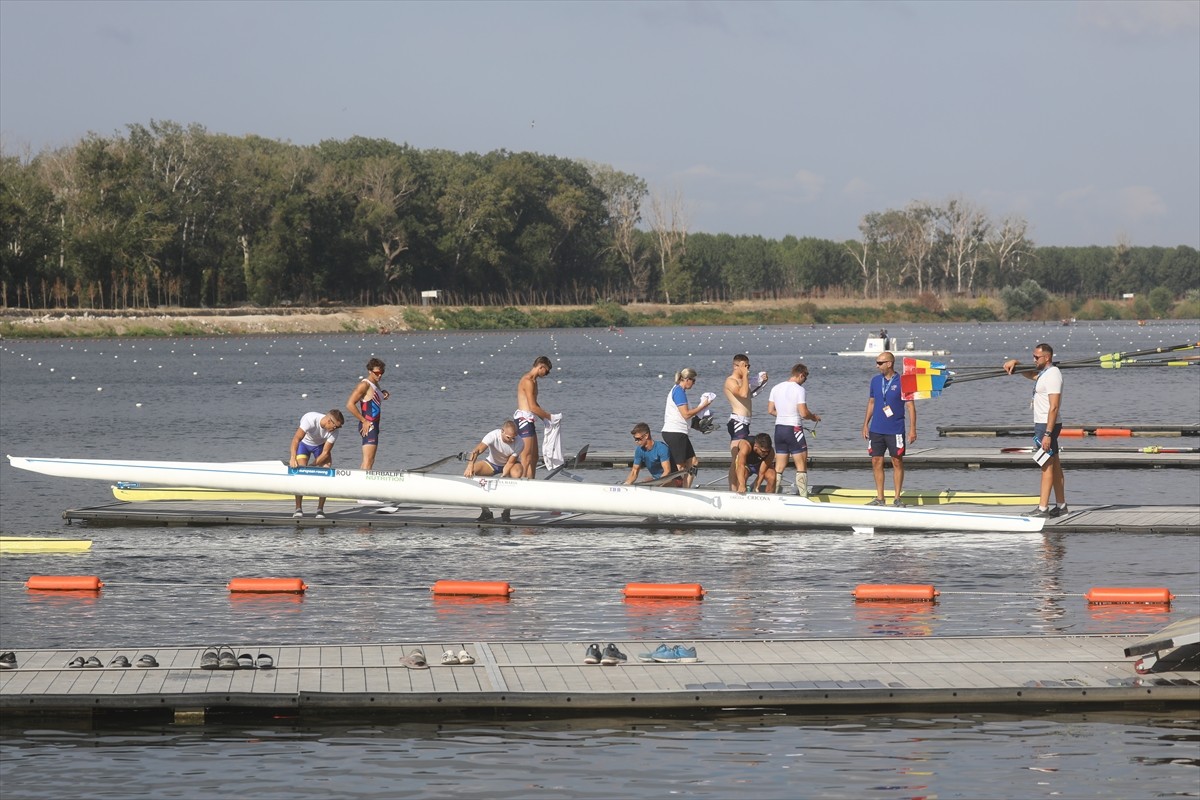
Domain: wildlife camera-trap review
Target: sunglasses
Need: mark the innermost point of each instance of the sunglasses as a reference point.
(641, 438)
(881, 363)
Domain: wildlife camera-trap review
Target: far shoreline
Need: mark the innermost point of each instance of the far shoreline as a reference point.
(386, 319)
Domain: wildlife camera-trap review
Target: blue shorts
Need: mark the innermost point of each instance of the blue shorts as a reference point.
(525, 428)
(789, 440)
(738, 431)
(372, 434)
(1039, 428)
(309, 451)
(881, 443)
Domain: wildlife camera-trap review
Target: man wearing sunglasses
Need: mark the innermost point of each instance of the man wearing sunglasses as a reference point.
(1047, 425)
(654, 456)
(366, 404)
(883, 426)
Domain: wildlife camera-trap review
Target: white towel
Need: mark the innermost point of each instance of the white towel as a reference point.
(707, 397)
(552, 455)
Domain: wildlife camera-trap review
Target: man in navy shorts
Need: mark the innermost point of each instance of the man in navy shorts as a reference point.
(883, 426)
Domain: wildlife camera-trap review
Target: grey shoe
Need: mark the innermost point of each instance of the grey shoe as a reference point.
(1059, 511)
(506, 515)
(592, 654)
(898, 503)
(320, 514)
(298, 514)
(611, 655)
(877, 502)
(1040, 512)
(484, 516)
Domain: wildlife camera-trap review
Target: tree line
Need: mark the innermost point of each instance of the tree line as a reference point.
(171, 215)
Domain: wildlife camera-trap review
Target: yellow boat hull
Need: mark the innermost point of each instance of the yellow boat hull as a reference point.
(34, 544)
(837, 494)
(141, 494)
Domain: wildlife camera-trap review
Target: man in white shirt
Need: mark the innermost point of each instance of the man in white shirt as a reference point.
(498, 455)
(312, 446)
(1047, 423)
(788, 403)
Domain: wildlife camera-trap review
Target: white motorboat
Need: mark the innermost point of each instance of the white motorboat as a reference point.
(880, 342)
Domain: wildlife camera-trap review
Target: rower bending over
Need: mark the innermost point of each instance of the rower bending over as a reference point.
(503, 448)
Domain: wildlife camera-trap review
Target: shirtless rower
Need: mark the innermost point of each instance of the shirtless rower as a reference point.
(738, 389)
(528, 412)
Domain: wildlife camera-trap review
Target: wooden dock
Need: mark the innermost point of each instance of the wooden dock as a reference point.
(549, 676)
(343, 513)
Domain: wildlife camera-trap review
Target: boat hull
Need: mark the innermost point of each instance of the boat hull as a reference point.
(133, 493)
(35, 544)
(580, 498)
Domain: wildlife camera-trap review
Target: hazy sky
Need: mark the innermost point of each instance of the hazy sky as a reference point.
(768, 118)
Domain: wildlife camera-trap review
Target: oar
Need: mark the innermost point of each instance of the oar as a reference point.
(1151, 449)
(579, 457)
(438, 463)
(1106, 361)
(665, 479)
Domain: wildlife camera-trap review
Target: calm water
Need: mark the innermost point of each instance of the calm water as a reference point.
(240, 398)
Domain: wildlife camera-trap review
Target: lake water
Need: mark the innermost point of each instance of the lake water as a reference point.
(239, 398)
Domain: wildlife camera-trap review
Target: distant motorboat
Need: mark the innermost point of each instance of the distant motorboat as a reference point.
(880, 342)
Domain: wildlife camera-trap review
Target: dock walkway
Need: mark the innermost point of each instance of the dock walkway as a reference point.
(550, 676)
(1073, 457)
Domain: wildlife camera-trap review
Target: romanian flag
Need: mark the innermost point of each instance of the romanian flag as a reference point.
(921, 380)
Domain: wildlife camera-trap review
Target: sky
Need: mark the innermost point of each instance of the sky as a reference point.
(765, 118)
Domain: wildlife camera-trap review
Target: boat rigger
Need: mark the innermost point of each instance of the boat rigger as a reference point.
(409, 487)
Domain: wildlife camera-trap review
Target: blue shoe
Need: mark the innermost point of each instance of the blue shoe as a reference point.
(661, 654)
(675, 655)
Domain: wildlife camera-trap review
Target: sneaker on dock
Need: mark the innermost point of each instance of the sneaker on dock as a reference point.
(1040, 512)
(592, 654)
(611, 656)
(1059, 511)
(8, 660)
(484, 515)
(677, 655)
(298, 514)
(877, 502)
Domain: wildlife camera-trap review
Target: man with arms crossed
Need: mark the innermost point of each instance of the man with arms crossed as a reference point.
(366, 405)
(1047, 423)
(528, 412)
(312, 446)
(883, 426)
(739, 387)
(788, 403)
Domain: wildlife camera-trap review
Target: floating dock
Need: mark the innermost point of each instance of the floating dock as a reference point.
(1165, 429)
(1073, 456)
(340, 513)
(549, 676)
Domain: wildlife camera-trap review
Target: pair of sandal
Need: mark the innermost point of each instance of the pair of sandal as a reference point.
(121, 662)
(223, 658)
(463, 657)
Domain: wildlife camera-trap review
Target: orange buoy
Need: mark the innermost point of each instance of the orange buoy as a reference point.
(1114, 432)
(293, 585)
(1129, 594)
(691, 591)
(912, 592)
(1073, 432)
(478, 588)
(64, 583)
